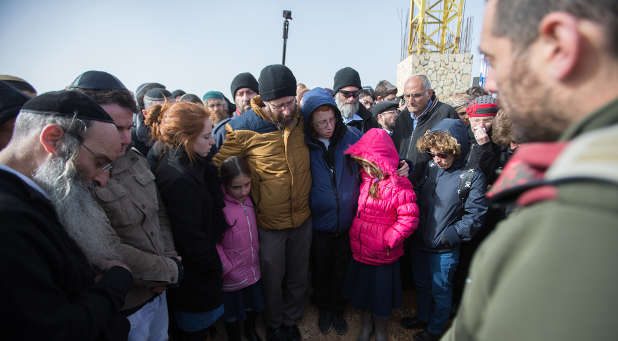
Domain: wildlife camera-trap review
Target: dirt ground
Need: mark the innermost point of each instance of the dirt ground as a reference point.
(309, 328)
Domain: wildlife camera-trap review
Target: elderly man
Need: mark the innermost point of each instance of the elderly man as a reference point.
(139, 225)
(423, 111)
(548, 271)
(347, 87)
(271, 137)
(62, 140)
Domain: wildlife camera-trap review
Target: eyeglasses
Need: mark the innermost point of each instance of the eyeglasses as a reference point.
(419, 95)
(103, 163)
(279, 107)
(440, 155)
(348, 94)
(325, 123)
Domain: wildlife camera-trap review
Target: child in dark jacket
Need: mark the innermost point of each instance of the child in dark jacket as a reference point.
(239, 252)
(453, 205)
(387, 214)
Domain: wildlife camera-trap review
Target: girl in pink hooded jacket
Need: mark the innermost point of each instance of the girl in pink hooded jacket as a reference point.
(238, 251)
(387, 214)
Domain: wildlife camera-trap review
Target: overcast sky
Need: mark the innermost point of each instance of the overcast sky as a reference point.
(201, 45)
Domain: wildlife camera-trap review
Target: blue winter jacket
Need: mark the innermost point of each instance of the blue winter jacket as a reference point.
(336, 181)
(446, 221)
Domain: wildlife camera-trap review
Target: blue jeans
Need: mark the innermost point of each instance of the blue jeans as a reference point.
(433, 277)
(150, 322)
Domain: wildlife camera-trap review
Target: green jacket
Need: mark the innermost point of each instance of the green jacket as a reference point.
(550, 271)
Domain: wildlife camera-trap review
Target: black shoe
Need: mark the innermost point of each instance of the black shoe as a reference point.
(424, 335)
(250, 332)
(412, 322)
(293, 333)
(341, 326)
(325, 320)
(276, 334)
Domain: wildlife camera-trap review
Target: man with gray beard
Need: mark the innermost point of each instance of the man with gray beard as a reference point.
(347, 87)
(139, 227)
(61, 141)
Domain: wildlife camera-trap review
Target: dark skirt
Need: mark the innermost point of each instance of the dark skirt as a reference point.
(237, 303)
(376, 288)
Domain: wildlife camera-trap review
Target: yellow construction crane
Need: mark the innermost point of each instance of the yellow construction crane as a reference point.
(432, 26)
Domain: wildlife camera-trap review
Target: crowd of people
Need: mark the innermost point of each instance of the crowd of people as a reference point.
(152, 215)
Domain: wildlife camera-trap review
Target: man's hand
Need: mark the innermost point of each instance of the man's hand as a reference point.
(480, 135)
(404, 169)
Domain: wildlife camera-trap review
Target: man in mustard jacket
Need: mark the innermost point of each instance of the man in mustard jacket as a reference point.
(271, 137)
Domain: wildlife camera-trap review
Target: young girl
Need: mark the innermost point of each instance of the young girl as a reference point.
(239, 250)
(387, 214)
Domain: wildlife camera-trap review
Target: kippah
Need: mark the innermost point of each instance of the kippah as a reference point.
(212, 94)
(18, 83)
(97, 80)
(11, 101)
(67, 103)
(178, 92)
(482, 106)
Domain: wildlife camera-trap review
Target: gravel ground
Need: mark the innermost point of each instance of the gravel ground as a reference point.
(309, 329)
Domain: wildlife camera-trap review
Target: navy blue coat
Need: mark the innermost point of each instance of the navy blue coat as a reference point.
(445, 220)
(336, 181)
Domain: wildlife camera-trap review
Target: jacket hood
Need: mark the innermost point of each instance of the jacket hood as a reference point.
(314, 99)
(457, 129)
(377, 146)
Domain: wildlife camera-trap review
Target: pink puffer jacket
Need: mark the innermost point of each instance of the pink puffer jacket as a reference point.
(239, 251)
(381, 225)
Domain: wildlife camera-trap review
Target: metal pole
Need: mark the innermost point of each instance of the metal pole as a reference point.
(286, 25)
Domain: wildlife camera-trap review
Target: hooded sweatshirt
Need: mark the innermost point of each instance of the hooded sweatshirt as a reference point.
(381, 224)
(445, 220)
(336, 180)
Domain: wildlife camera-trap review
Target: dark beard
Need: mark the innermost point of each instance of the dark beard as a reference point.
(82, 217)
(527, 100)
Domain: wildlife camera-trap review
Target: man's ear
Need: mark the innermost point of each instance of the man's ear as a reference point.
(561, 41)
(50, 137)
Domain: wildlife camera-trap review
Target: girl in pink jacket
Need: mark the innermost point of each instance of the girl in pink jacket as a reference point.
(387, 214)
(239, 250)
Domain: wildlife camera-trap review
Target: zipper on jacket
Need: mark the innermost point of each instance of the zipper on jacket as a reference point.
(291, 175)
(250, 238)
(334, 184)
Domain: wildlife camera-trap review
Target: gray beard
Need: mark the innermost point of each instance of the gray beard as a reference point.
(347, 110)
(82, 217)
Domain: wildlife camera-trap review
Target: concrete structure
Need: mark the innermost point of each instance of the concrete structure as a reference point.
(448, 73)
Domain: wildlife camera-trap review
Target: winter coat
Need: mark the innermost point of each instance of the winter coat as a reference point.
(405, 137)
(368, 121)
(552, 262)
(141, 228)
(192, 196)
(336, 179)
(49, 288)
(279, 162)
(381, 225)
(446, 221)
(239, 251)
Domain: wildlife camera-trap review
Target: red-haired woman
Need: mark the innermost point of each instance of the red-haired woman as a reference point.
(191, 192)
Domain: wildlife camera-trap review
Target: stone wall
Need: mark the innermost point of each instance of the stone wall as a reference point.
(448, 73)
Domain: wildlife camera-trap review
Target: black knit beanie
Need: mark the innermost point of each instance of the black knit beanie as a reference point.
(346, 77)
(243, 80)
(276, 81)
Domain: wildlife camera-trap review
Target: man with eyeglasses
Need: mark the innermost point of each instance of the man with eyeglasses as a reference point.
(386, 114)
(347, 87)
(52, 289)
(137, 224)
(271, 137)
(423, 111)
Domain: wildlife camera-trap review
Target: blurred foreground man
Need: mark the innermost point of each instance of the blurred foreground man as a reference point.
(549, 271)
(61, 141)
